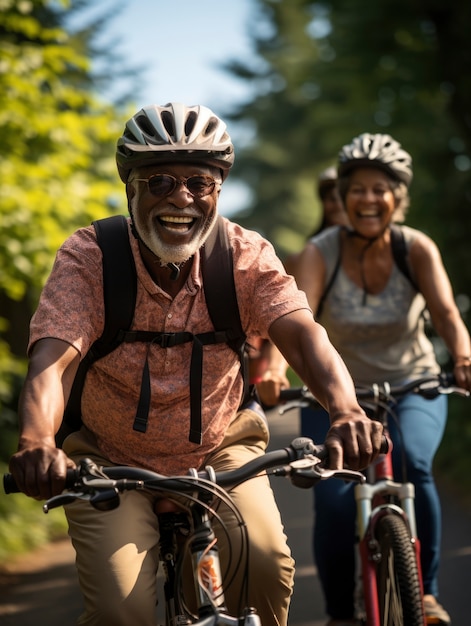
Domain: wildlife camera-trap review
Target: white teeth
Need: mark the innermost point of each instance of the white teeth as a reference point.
(177, 220)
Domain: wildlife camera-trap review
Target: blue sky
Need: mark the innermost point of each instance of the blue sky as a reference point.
(182, 44)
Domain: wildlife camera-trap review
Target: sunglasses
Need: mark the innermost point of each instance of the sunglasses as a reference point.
(161, 185)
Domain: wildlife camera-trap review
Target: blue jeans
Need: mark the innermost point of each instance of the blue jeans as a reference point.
(422, 423)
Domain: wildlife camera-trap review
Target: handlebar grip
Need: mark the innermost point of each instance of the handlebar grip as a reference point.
(10, 486)
(448, 378)
(293, 393)
(386, 445)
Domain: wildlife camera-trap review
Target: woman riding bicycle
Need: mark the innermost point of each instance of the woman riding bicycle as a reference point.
(373, 314)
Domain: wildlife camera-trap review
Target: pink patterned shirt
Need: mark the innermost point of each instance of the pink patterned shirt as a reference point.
(71, 309)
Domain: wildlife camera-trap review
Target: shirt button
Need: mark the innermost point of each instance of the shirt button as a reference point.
(169, 316)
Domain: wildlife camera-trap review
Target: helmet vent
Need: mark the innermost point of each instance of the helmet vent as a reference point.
(167, 120)
(190, 123)
(145, 127)
(212, 125)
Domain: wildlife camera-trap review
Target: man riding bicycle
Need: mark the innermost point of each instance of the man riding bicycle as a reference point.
(173, 160)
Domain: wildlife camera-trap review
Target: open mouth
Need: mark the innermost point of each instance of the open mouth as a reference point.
(177, 223)
(368, 214)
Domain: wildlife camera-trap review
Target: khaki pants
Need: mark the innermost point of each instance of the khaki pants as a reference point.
(117, 553)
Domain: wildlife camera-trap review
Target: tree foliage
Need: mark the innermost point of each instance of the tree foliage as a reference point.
(327, 71)
(56, 162)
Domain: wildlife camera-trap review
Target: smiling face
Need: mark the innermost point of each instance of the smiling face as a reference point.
(174, 226)
(369, 201)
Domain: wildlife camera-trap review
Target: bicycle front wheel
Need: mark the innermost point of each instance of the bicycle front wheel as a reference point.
(397, 575)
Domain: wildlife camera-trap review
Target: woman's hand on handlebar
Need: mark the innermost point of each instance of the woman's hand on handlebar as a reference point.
(462, 372)
(273, 381)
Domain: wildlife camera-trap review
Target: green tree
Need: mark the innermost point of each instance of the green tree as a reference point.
(56, 163)
(327, 71)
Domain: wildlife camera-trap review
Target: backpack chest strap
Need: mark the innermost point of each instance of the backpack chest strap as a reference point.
(169, 340)
(164, 340)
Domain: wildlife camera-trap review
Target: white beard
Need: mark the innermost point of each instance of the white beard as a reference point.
(171, 253)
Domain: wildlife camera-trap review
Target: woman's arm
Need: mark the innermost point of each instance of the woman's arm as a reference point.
(434, 284)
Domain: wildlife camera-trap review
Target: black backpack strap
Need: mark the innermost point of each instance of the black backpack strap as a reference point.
(119, 293)
(328, 286)
(221, 295)
(332, 278)
(169, 340)
(119, 281)
(401, 253)
(219, 286)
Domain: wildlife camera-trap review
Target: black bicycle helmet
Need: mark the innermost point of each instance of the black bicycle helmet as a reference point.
(159, 134)
(376, 150)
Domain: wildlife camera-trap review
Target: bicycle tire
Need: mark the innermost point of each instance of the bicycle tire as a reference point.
(397, 575)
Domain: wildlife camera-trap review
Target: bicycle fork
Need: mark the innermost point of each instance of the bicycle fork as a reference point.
(208, 584)
(174, 531)
(373, 501)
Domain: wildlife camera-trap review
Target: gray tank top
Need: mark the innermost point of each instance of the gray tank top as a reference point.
(381, 338)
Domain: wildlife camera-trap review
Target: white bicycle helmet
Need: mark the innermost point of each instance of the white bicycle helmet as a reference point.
(376, 150)
(326, 180)
(160, 134)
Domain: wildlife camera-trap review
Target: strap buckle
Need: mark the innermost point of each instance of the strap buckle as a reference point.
(167, 340)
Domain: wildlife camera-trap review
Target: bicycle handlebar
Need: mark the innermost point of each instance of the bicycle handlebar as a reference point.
(301, 461)
(428, 387)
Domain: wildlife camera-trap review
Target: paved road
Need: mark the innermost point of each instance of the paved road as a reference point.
(42, 588)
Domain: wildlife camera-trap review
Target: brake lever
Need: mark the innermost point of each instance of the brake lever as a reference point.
(342, 474)
(62, 499)
(454, 389)
(307, 472)
(103, 496)
(290, 406)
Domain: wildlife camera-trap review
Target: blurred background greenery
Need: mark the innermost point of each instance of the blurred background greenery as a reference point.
(321, 73)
